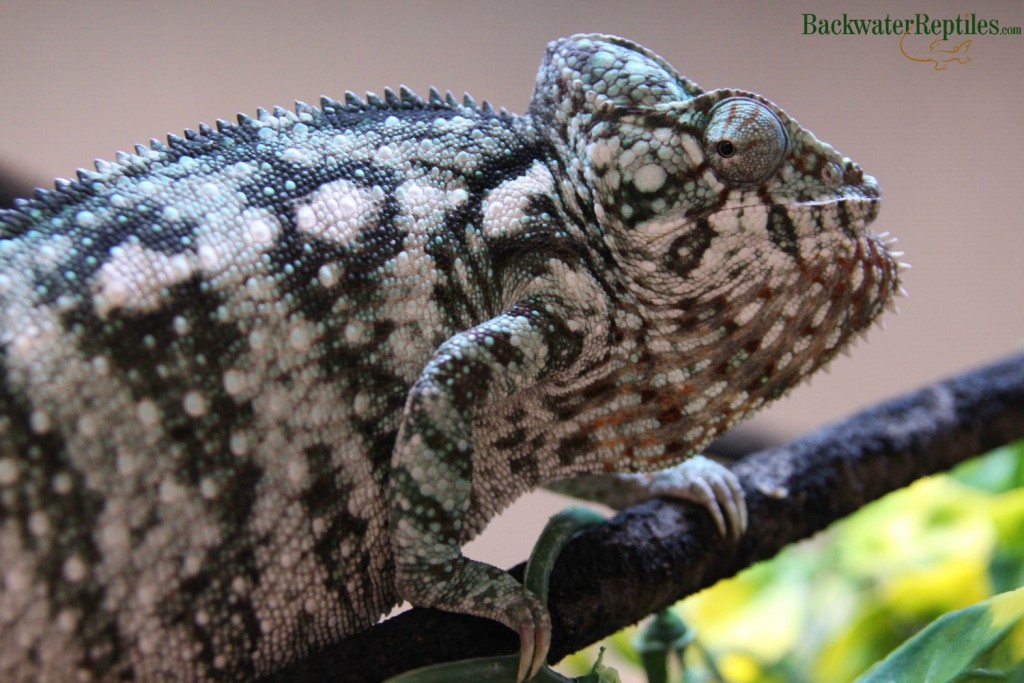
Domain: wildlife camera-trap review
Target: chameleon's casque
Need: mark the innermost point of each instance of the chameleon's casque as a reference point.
(264, 380)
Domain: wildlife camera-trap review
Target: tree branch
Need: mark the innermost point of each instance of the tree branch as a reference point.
(652, 555)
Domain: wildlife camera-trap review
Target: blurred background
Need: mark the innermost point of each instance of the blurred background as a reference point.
(80, 80)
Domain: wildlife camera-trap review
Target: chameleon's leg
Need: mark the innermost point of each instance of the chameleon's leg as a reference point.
(432, 470)
(699, 480)
(559, 530)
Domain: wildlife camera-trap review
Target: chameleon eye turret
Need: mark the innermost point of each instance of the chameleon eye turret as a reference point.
(744, 141)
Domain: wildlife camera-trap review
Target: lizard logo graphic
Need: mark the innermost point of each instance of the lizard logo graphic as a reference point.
(958, 54)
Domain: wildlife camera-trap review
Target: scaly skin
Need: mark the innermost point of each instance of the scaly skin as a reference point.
(261, 383)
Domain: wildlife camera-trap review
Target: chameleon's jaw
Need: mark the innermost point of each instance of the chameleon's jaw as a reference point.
(782, 291)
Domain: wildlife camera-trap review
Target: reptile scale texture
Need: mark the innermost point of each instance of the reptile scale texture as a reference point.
(262, 382)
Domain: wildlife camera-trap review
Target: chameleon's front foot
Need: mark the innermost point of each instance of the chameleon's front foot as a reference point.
(709, 484)
(698, 480)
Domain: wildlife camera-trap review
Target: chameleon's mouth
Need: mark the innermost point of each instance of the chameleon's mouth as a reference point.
(856, 198)
(852, 213)
(864, 197)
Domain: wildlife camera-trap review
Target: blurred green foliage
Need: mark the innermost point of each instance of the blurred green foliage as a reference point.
(826, 610)
(977, 643)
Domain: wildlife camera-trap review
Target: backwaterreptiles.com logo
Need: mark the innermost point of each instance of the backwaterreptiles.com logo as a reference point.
(940, 52)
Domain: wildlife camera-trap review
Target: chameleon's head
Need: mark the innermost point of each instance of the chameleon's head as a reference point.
(742, 236)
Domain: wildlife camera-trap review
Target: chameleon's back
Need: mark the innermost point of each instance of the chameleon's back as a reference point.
(206, 350)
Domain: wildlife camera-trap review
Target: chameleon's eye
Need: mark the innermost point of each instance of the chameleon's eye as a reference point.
(744, 141)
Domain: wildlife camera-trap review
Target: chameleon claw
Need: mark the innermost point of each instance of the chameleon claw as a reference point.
(738, 509)
(711, 499)
(737, 490)
(728, 497)
(542, 643)
(527, 645)
(534, 643)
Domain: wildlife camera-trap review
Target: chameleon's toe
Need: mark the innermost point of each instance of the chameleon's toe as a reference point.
(712, 486)
(534, 643)
(726, 497)
(542, 643)
(739, 520)
(527, 644)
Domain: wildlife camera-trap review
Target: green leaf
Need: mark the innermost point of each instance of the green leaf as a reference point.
(949, 648)
(1001, 470)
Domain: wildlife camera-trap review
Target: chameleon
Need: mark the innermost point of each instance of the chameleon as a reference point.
(261, 382)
